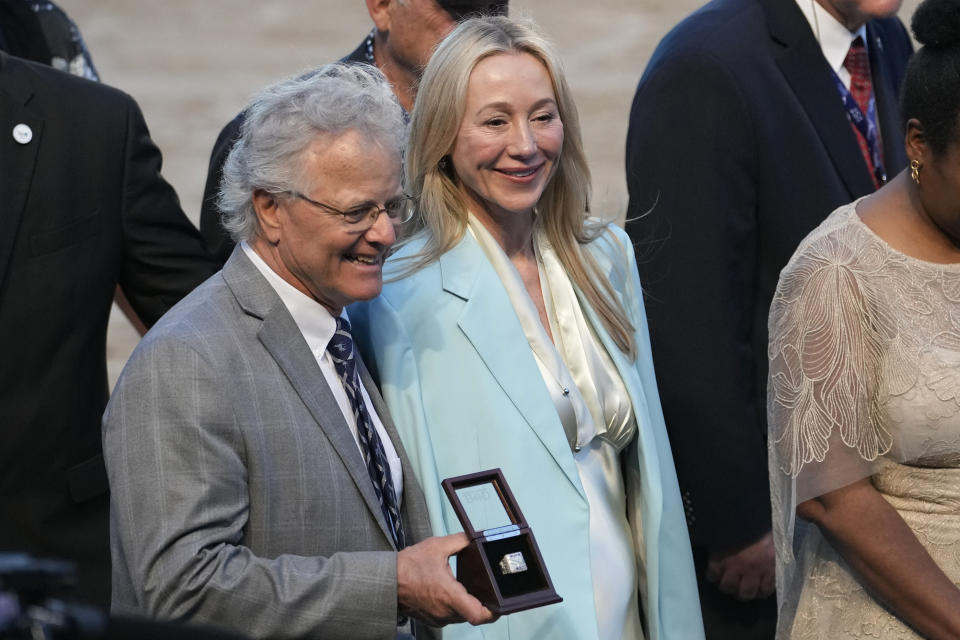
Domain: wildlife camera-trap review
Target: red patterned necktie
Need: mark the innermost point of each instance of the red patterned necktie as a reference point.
(861, 88)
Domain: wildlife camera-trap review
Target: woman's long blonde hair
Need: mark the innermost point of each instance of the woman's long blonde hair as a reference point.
(563, 209)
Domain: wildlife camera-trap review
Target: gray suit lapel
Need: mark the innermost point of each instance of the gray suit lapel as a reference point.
(282, 339)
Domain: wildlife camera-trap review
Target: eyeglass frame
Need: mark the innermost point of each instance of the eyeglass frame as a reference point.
(368, 215)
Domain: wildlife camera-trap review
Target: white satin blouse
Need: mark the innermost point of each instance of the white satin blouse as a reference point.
(597, 415)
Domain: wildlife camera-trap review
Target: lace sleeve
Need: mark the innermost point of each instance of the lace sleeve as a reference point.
(827, 337)
(828, 332)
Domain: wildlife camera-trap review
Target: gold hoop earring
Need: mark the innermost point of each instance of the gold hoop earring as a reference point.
(915, 171)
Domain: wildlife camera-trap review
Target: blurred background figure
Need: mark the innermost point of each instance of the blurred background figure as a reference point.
(865, 386)
(753, 120)
(518, 340)
(85, 209)
(404, 35)
(43, 32)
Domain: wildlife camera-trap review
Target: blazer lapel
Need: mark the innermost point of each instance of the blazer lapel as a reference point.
(888, 111)
(652, 502)
(17, 161)
(490, 324)
(281, 337)
(808, 74)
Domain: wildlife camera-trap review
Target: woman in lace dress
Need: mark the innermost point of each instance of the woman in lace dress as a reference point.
(864, 391)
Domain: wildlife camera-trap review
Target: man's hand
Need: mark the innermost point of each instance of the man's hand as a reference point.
(746, 573)
(426, 588)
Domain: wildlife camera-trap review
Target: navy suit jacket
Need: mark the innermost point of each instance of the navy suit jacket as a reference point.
(83, 208)
(738, 146)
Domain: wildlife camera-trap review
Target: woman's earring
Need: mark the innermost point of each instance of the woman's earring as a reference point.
(915, 171)
(443, 163)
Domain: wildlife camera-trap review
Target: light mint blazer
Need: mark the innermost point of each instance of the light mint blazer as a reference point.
(466, 395)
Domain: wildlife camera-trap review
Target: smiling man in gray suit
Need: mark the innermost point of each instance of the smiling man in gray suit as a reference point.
(258, 482)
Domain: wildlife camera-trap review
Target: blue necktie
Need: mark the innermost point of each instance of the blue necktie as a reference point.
(341, 350)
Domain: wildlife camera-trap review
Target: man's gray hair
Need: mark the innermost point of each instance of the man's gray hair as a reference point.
(283, 119)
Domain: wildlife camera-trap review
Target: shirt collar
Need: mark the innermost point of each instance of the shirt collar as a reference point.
(314, 320)
(834, 38)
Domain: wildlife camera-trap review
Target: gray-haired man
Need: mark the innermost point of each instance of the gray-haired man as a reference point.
(258, 483)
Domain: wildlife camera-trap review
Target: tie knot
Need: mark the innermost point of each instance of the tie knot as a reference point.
(343, 325)
(856, 60)
(341, 346)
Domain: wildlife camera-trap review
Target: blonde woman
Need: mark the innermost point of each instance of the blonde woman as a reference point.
(515, 337)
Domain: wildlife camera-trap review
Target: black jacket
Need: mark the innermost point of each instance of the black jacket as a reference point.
(83, 208)
(738, 146)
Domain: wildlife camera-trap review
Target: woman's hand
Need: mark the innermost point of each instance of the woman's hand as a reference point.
(887, 557)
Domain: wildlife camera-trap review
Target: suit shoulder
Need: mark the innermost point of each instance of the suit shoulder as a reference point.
(721, 29)
(613, 252)
(414, 295)
(198, 315)
(891, 36)
(398, 291)
(609, 240)
(228, 135)
(891, 28)
(52, 84)
(719, 50)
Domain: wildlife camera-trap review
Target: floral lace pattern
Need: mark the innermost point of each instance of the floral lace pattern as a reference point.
(864, 381)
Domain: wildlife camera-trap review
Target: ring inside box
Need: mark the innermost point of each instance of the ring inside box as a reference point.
(502, 566)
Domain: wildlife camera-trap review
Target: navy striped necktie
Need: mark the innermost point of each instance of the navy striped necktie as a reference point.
(341, 350)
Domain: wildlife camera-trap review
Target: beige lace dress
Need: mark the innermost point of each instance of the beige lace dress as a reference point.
(864, 381)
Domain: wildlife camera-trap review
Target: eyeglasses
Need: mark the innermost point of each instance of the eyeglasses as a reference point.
(398, 210)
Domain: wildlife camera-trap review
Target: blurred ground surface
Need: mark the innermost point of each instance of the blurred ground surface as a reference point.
(192, 65)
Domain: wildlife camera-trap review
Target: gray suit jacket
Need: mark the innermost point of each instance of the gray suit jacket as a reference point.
(239, 496)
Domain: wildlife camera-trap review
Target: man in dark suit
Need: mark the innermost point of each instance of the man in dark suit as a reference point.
(404, 35)
(84, 208)
(739, 144)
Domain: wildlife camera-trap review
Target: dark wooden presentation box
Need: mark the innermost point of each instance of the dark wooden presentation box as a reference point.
(495, 525)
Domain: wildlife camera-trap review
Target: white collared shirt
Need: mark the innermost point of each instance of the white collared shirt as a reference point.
(318, 326)
(834, 38)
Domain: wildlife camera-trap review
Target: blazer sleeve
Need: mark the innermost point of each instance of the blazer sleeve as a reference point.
(180, 504)
(692, 217)
(676, 609)
(163, 256)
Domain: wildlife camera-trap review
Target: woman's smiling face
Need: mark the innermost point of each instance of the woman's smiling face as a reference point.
(510, 137)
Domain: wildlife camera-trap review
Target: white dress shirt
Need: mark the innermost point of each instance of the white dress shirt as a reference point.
(317, 326)
(834, 37)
